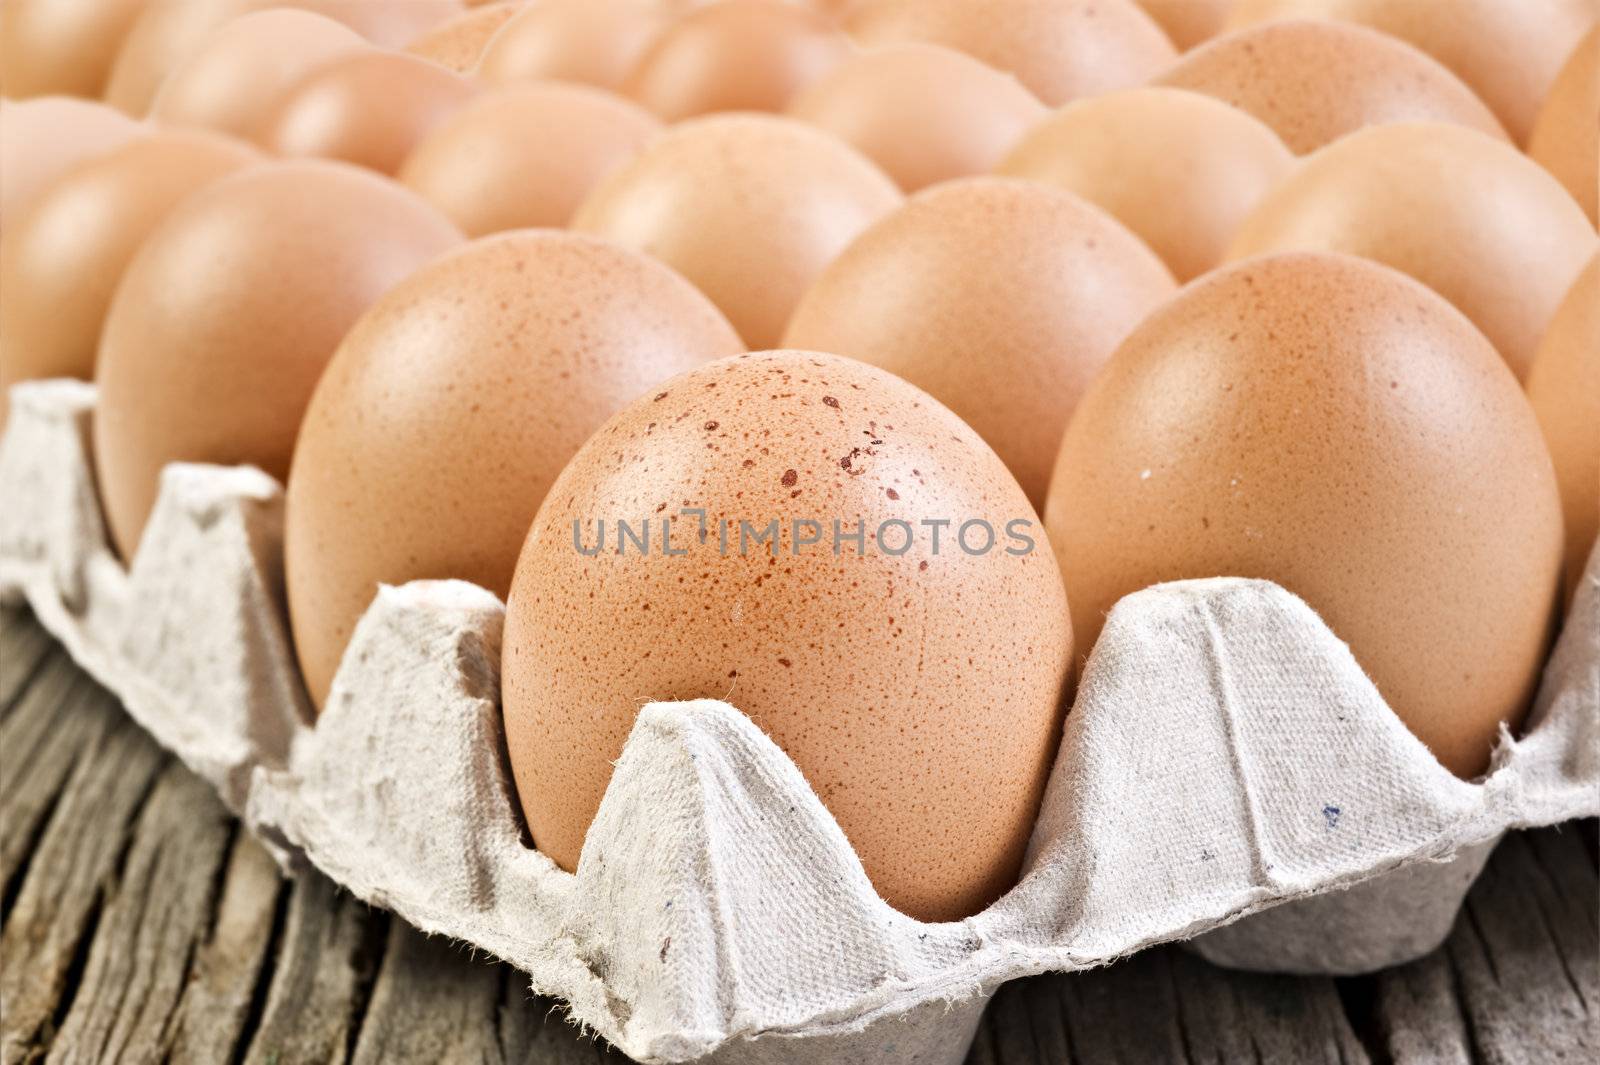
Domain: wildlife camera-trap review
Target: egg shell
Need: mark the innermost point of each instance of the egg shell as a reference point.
(1508, 51)
(228, 314)
(61, 259)
(1329, 424)
(57, 46)
(1566, 138)
(237, 78)
(368, 108)
(922, 112)
(920, 694)
(736, 55)
(526, 155)
(1059, 49)
(1464, 213)
(458, 44)
(999, 298)
(1315, 81)
(42, 138)
(449, 410)
(596, 42)
(1564, 387)
(1180, 169)
(750, 208)
(1189, 22)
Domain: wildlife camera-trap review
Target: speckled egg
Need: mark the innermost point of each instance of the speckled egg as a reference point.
(61, 46)
(42, 138)
(1464, 213)
(62, 257)
(369, 108)
(1000, 298)
(459, 43)
(596, 42)
(748, 207)
(1564, 387)
(1329, 424)
(526, 155)
(1508, 51)
(736, 55)
(229, 312)
(452, 406)
(1059, 49)
(919, 691)
(1180, 169)
(1315, 81)
(1566, 138)
(923, 112)
(239, 75)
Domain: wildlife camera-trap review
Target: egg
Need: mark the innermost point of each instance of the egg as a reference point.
(597, 42)
(452, 406)
(1180, 169)
(920, 692)
(458, 44)
(526, 155)
(1564, 387)
(999, 298)
(1464, 213)
(736, 55)
(229, 312)
(1189, 22)
(923, 112)
(56, 46)
(1059, 49)
(1315, 81)
(61, 259)
(748, 207)
(1329, 424)
(1566, 138)
(43, 137)
(1508, 51)
(238, 77)
(369, 108)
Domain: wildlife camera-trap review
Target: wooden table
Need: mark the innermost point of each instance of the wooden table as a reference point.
(140, 923)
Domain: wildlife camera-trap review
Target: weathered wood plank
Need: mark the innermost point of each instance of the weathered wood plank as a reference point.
(151, 928)
(71, 874)
(536, 1031)
(430, 1002)
(24, 645)
(332, 946)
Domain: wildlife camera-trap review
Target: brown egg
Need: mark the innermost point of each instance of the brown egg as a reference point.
(1000, 298)
(1313, 81)
(228, 313)
(736, 55)
(450, 409)
(42, 138)
(1508, 51)
(240, 75)
(1564, 386)
(1469, 215)
(923, 112)
(459, 43)
(526, 155)
(593, 41)
(369, 108)
(1566, 138)
(1179, 169)
(169, 31)
(920, 693)
(1189, 22)
(748, 207)
(61, 259)
(61, 46)
(1060, 49)
(1329, 424)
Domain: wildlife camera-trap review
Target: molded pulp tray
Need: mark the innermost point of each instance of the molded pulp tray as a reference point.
(1225, 755)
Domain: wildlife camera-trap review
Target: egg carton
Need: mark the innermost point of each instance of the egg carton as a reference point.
(1227, 776)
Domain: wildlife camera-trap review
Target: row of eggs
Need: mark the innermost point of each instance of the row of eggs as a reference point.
(1312, 418)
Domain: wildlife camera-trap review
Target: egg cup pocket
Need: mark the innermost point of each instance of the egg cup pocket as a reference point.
(1227, 773)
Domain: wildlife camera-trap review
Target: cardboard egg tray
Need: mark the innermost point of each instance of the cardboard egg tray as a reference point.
(1228, 775)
